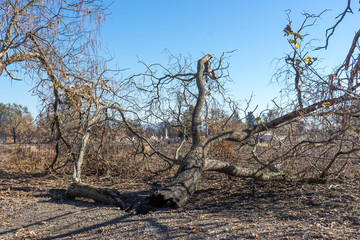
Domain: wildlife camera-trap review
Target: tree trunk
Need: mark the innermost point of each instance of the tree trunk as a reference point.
(183, 185)
(80, 158)
(83, 144)
(14, 135)
(77, 189)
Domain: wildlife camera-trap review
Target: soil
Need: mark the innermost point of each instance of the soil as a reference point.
(33, 207)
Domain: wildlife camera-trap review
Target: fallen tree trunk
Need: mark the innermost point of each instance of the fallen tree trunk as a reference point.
(183, 185)
(177, 192)
(77, 189)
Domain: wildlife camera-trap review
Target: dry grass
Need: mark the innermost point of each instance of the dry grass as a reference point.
(120, 159)
(26, 158)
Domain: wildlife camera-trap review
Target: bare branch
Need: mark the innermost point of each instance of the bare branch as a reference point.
(331, 31)
(352, 49)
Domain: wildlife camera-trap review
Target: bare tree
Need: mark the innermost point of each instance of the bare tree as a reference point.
(54, 23)
(313, 136)
(55, 43)
(48, 40)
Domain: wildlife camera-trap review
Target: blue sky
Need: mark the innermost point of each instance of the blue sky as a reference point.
(143, 29)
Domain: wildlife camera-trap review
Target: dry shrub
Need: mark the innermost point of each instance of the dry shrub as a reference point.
(126, 159)
(124, 164)
(30, 159)
(310, 160)
(223, 150)
(115, 159)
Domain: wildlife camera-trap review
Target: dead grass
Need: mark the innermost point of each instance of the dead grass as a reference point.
(27, 159)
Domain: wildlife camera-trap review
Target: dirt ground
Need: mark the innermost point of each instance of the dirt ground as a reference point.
(34, 208)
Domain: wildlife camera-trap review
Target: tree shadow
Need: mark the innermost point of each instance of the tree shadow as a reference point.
(57, 196)
(251, 200)
(4, 175)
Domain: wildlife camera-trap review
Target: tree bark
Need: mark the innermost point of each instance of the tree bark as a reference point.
(90, 121)
(77, 189)
(183, 185)
(196, 116)
(80, 158)
(231, 170)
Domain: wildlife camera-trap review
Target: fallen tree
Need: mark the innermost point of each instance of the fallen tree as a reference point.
(196, 160)
(313, 137)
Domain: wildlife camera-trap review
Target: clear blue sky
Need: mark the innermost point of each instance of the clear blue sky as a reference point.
(143, 29)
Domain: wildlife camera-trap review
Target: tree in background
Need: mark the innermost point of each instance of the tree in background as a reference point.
(15, 121)
(250, 119)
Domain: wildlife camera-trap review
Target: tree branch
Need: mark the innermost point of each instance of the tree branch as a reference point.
(332, 29)
(352, 49)
(196, 117)
(246, 133)
(227, 168)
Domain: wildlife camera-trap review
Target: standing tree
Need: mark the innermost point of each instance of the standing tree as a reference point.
(54, 43)
(15, 120)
